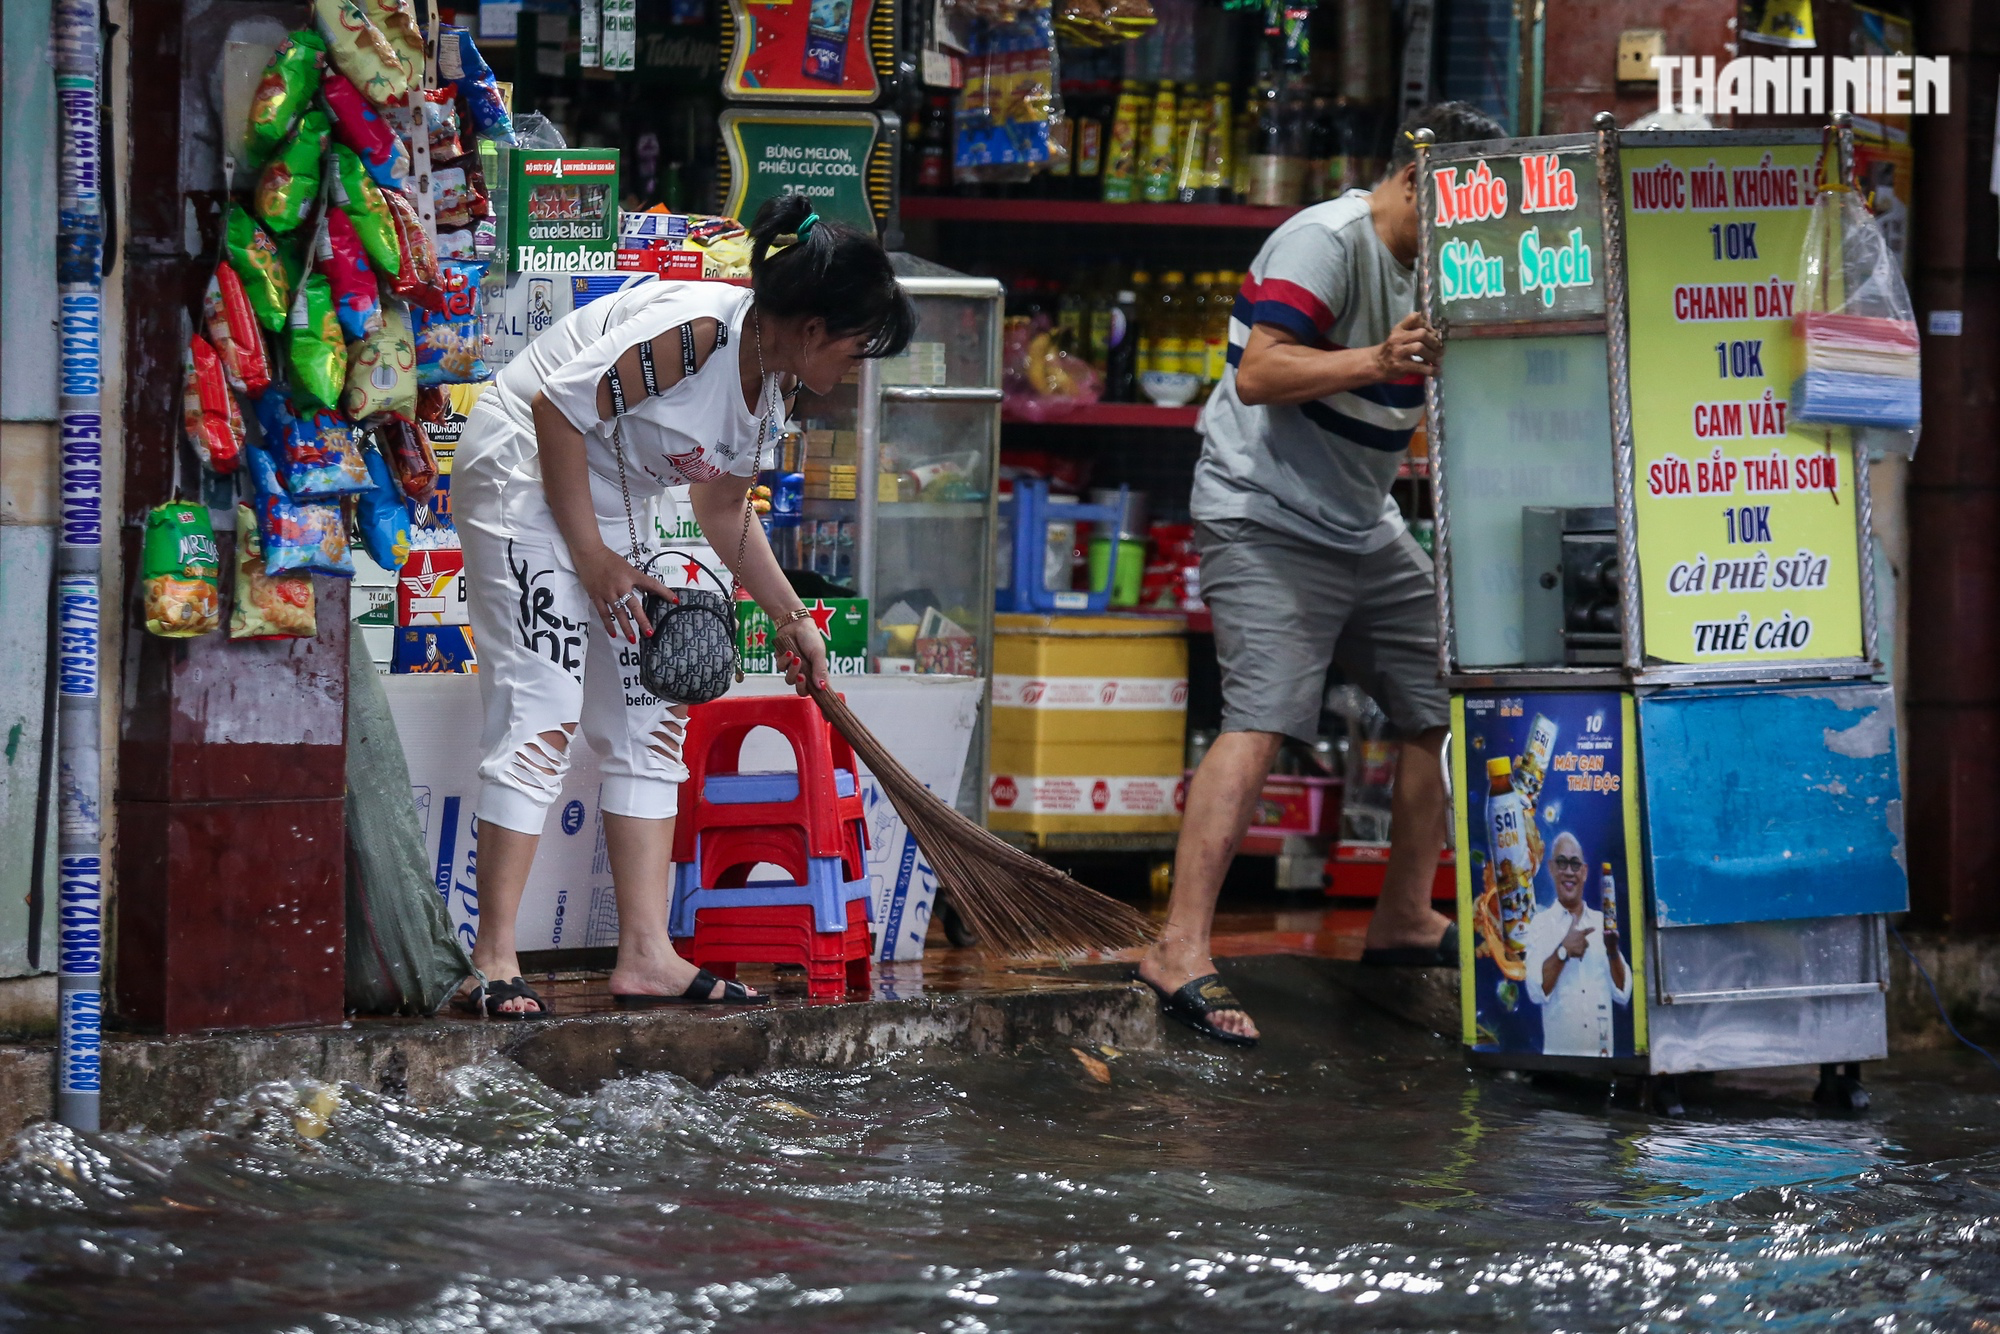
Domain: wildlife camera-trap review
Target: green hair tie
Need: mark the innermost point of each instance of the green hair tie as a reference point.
(793, 238)
(806, 227)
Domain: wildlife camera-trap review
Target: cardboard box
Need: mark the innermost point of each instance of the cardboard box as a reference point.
(842, 622)
(431, 589)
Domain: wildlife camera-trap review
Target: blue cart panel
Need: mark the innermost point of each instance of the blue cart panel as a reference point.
(1766, 803)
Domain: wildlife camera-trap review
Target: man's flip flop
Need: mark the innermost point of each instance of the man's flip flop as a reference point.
(697, 993)
(1442, 955)
(1193, 1003)
(490, 996)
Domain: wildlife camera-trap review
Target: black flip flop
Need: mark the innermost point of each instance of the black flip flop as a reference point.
(1195, 1001)
(489, 996)
(1444, 954)
(733, 993)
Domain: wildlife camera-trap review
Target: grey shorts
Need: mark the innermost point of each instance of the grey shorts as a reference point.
(1284, 609)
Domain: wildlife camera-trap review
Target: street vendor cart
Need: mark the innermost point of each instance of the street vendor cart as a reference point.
(1675, 788)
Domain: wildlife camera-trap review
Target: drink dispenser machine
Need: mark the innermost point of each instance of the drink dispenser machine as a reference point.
(1673, 763)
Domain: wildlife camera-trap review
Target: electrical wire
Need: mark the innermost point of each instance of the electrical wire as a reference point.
(1925, 975)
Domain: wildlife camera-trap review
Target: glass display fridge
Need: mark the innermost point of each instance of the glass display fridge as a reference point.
(900, 466)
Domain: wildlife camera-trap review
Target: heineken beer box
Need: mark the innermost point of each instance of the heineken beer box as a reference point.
(563, 209)
(843, 627)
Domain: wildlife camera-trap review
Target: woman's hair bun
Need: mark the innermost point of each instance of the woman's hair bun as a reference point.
(834, 272)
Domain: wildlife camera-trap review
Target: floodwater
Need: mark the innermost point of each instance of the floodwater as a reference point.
(1351, 1174)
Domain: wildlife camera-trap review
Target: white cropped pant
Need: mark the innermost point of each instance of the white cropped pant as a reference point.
(546, 665)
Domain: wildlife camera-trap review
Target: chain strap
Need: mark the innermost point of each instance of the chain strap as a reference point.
(765, 429)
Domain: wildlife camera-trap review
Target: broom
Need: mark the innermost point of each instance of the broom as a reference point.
(1018, 904)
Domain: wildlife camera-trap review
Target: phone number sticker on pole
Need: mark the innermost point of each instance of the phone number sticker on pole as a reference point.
(1747, 519)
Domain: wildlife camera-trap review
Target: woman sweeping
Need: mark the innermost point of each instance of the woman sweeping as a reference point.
(666, 384)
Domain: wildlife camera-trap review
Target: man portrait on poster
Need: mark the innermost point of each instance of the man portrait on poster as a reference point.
(1575, 971)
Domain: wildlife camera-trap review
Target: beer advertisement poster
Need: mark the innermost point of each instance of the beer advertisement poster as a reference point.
(1748, 547)
(1549, 874)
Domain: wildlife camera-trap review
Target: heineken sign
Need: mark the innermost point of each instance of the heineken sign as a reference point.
(1516, 237)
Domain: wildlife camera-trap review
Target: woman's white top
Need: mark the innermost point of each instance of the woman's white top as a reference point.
(698, 429)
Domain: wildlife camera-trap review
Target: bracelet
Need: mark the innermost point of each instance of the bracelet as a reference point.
(794, 616)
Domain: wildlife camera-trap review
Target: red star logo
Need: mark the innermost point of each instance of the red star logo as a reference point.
(692, 571)
(757, 639)
(822, 617)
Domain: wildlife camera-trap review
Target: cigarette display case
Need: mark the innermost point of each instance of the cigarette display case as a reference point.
(1673, 765)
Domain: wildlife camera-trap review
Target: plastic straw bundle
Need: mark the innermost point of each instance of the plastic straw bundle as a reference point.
(1019, 905)
(1856, 328)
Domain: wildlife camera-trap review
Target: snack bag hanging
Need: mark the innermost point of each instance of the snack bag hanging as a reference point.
(441, 123)
(254, 256)
(290, 183)
(410, 454)
(358, 49)
(1856, 328)
(282, 95)
(459, 62)
(398, 22)
(450, 344)
(382, 517)
(317, 454)
(267, 606)
(232, 328)
(357, 301)
(306, 537)
(382, 369)
(357, 195)
(313, 346)
(207, 411)
(180, 569)
(360, 127)
(418, 278)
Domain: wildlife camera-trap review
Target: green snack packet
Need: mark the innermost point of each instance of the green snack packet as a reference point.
(255, 257)
(290, 183)
(285, 91)
(360, 198)
(313, 346)
(181, 569)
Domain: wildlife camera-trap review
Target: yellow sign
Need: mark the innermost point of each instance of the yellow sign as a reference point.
(1747, 535)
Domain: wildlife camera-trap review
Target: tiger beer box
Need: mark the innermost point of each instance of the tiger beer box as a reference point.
(562, 210)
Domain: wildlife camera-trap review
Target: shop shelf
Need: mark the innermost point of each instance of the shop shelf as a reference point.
(1073, 212)
(1119, 414)
(944, 509)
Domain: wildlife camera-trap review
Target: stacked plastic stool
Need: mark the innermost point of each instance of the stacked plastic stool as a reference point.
(808, 822)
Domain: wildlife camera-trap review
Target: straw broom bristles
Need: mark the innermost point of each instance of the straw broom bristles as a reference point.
(1018, 904)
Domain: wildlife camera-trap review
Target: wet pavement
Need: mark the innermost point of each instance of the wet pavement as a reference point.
(1350, 1173)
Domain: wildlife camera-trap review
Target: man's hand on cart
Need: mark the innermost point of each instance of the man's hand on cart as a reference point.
(1412, 348)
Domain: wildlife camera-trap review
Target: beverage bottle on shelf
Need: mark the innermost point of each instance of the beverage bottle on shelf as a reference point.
(1217, 154)
(1087, 148)
(1239, 150)
(1104, 288)
(1073, 314)
(1191, 152)
(1200, 295)
(1121, 352)
(1143, 321)
(1053, 180)
(1320, 150)
(1121, 152)
(1171, 321)
(1215, 325)
(1157, 179)
(934, 147)
(1274, 166)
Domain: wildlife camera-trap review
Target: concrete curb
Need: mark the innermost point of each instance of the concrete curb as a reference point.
(166, 1084)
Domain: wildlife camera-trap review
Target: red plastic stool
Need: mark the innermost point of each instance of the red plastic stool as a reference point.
(815, 800)
(835, 962)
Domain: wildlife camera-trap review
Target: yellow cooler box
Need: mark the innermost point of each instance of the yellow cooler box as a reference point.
(1089, 724)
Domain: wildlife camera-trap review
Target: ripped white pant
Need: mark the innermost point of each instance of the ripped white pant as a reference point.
(547, 667)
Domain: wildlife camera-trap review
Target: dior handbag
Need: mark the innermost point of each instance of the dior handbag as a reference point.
(690, 658)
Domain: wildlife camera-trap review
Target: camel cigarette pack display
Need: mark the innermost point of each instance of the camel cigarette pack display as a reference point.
(563, 210)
